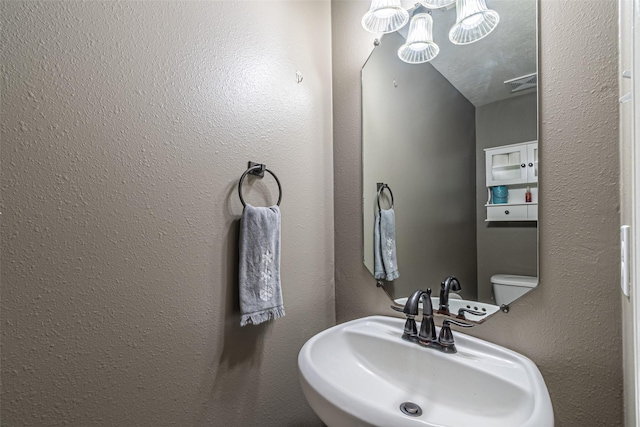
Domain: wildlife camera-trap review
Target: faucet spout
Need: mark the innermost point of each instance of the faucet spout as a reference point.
(450, 284)
(411, 306)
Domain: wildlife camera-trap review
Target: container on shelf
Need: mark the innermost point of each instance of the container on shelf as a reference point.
(500, 194)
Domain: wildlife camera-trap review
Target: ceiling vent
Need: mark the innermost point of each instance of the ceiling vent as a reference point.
(522, 83)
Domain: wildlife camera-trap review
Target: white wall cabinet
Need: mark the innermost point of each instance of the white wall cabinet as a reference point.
(512, 164)
(516, 167)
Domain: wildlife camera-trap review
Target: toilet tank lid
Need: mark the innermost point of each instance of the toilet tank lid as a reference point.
(513, 280)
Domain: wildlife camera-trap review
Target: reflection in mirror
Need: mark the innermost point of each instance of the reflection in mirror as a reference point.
(455, 139)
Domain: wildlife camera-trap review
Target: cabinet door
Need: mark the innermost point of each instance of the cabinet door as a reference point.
(532, 162)
(506, 165)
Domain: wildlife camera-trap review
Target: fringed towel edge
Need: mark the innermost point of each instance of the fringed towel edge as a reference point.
(393, 275)
(262, 316)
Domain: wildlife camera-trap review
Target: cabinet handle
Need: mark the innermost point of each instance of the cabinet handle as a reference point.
(530, 165)
(506, 212)
(522, 165)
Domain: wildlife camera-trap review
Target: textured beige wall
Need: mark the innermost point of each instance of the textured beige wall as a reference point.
(570, 327)
(125, 128)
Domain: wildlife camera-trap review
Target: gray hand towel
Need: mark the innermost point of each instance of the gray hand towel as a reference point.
(384, 242)
(260, 289)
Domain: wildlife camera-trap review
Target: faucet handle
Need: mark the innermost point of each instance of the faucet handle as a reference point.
(468, 310)
(446, 336)
(410, 332)
(447, 322)
(410, 310)
(399, 309)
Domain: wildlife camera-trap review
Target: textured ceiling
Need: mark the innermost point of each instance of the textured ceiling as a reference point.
(478, 70)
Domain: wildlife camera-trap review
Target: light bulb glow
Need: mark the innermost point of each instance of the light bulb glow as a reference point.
(418, 46)
(436, 4)
(384, 13)
(472, 21)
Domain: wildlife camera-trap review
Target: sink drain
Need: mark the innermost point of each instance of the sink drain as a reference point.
(411, 409)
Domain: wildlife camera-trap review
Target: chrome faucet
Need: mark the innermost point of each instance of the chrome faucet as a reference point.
(450, 284)
(427, 335)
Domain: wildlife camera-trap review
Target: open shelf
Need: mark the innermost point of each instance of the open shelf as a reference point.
(506, 167)
(510, 204)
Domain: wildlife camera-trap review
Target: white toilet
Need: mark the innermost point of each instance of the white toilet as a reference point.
(508, 288)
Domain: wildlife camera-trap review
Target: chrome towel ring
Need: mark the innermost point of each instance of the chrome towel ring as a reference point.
(381, 187)
(258, 169)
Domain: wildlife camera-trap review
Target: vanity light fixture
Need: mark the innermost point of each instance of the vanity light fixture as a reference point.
(419, 47)
(474, 21)
(385, 16)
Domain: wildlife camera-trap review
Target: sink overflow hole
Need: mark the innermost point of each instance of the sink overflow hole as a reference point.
(411, 409)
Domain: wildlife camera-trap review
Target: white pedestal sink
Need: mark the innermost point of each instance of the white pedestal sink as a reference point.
(359, 374)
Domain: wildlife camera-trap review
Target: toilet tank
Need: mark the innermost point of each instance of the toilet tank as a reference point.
(508, 287)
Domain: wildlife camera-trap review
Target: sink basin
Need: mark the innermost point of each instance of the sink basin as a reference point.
(455, 304)
(359, 373)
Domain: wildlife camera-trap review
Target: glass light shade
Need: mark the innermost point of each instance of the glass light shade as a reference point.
(436, 4)
(419, 47)
(474, 21)
(385, 16)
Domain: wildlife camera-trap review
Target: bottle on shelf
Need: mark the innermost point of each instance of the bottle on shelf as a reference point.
(527, 195)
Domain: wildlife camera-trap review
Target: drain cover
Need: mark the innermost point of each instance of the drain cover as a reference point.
(410, 408)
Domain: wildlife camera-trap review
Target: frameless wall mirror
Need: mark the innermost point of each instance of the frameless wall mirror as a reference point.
(455, 140)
